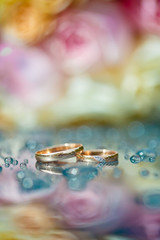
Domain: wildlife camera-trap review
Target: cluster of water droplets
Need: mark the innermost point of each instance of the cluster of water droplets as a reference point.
(29, 180)
(27, 177)
(11, 162)
(144, 155)
(8, 161)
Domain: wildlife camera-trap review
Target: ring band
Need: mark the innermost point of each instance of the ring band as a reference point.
(50, 168)
(97, 156)
(59, 153)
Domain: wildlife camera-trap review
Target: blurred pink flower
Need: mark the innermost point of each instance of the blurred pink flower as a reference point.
(101, 207)
(85, 38)
(28, 74)
(145, 14)
(151, 224)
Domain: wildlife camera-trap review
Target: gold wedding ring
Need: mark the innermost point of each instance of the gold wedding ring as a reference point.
(97, 156)
(59, 153)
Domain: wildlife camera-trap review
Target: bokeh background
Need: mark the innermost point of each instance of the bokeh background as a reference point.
(65, 62)
(85, 71)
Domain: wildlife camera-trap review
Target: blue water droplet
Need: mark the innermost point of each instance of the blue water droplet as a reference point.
(135, 159)
(140, 153)
(15, 162)
(8, 160)
(25, 161)
(156, 175)
(20, 175)
(23, 165)
(30, 181)
(147, 155)
(7, 165)
(152, 159)
(144, 173)
(27, 183)
(11, 160)
(152, 200)
(126, 156)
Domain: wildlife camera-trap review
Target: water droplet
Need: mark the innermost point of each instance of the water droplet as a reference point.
(8, 160)
(152, 200)
(27, 183)
(1, 169)
(135, 159)
(156, 175)
(15, 162)
(31, 181)
(151, 159)
(7, 165)
(20, 175)
(144, 173)
(126, 156)
(25, 161)
(23, 165)
(147, 155)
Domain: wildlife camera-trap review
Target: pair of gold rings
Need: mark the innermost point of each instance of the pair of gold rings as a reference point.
(69, 152)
